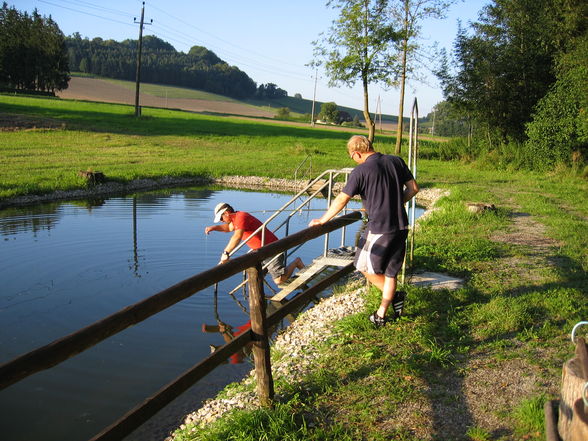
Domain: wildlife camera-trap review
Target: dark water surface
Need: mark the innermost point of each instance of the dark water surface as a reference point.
(66, 265)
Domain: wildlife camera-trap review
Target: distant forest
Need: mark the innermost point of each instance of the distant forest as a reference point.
(199, 69)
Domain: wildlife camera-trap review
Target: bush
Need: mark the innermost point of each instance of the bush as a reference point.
(283, 113)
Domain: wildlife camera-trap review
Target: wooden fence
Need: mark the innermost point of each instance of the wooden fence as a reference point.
(66, 347)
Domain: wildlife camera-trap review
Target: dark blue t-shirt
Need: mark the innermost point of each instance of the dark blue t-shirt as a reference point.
(380, 183)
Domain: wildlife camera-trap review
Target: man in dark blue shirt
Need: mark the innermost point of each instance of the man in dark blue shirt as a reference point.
(384, 183)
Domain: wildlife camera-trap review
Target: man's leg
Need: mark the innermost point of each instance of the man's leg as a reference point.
(296, 264)
(388, 287)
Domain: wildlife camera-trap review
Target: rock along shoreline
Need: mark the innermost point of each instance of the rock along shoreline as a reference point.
(426, 197)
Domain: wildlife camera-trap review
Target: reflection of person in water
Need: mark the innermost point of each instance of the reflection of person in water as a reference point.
(228, 334)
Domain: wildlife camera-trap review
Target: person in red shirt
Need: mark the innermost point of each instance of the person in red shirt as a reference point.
(242, 225)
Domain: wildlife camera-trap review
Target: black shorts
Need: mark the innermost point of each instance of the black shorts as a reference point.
(381, 253)
(275, 268)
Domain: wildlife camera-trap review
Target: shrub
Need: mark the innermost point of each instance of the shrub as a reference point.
(283, 113)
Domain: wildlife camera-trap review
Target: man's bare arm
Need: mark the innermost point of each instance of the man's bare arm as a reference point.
(337, 205)
(410, 190)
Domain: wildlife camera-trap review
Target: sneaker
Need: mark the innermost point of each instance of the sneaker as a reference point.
(377, 320)
(398, 303)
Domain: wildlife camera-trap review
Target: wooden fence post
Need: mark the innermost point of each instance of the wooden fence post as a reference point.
(261, 349)
(571, 426)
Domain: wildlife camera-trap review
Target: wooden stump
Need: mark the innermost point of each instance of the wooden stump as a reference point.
(579, 424)
(92, 177)
(573, 381)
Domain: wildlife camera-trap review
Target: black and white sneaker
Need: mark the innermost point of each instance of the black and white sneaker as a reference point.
(377, 320)
(398, 303)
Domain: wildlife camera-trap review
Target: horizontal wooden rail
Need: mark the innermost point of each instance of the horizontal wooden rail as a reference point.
(66, 347)
(142, 412)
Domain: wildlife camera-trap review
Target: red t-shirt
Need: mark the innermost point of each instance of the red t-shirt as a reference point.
(244, 221)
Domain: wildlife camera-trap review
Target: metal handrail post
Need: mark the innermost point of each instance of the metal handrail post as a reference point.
(329, 201)
(415, 111)
(410, 206)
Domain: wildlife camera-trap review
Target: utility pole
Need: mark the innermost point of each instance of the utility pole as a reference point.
(379, 112)
(314, 98)
(138, 75)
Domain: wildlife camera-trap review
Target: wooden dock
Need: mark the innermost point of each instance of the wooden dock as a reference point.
(337, 257)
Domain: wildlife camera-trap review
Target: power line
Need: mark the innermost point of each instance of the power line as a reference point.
(84, 12)
(190, 25)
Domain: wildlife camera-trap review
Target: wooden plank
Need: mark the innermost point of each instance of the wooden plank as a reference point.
(334, 261)
(261, 348)
(304, 276)
(301, 299)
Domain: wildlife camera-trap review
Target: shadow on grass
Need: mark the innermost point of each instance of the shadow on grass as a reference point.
(161, 124)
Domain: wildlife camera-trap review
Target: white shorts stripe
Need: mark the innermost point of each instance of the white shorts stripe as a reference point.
(364, 263)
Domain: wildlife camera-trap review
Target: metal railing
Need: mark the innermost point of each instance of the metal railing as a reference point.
(413, 149)
(314, 188)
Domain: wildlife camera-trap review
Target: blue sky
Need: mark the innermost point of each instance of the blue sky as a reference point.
(271, 40)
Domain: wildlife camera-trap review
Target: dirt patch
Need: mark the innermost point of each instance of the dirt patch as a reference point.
(92, 89)
(527, 232)
(13, 123)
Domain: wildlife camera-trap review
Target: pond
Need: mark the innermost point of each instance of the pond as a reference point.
(66, 265)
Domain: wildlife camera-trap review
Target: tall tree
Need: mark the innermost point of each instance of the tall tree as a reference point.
(356, 48)
(33, 55)
(407, 15)
(508, 64)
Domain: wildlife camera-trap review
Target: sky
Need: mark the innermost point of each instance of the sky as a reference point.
(270, 40)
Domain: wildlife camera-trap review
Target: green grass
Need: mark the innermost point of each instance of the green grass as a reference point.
(366, 378)
(107, 138)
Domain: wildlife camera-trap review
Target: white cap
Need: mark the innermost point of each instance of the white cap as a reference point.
(219, 210)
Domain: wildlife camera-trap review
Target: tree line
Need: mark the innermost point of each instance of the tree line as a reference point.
(200, 68)
(517, 77)
(33, 55)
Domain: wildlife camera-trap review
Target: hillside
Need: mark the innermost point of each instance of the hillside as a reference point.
(94, 88)
(123, 92)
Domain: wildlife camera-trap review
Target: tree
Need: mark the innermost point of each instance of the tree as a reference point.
(329, 112)
(407, 14)
(448, 121)
(270, 91)
(356, 48)
(558, 132)
(508, 64)
(283, 113)
(33, 55)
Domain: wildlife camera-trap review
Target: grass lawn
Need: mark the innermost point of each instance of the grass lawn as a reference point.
(67, 136)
